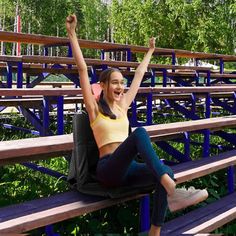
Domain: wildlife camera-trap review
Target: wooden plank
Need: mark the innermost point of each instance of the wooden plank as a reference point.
(175, 127)
(33, 148)
(36, 102)
(216, 222)
(202, 55)
(205, 219)
(6, 58)
(92, 62)
(187, 96)
(41, 92)
(195, 169)
(77, 91)
(52, 40)
(37, 213)
(22, 150)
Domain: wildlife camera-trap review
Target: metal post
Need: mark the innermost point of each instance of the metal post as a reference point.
(69, 53)
(230, 177)
(208, 106)
(134, 113)
(49, 231)
(208, 78)
(9, 75)
(206, 144)
(221, 66)
(129, 54)
(145, 213)
(60, 115)
(19, 75)
(164, 71)
(173, 59)
(149, 108)
(102, 55)
(45, 116)
(187, 146)
(153, 73)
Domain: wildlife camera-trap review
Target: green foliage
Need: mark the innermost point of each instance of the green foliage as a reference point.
(198, 25)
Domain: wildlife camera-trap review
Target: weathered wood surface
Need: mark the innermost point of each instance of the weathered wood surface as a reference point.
(77, 91)
(203, 220)
(51, 40)
(52, 146)
(33, 214)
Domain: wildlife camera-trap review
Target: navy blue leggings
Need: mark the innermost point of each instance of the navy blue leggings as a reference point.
(120, 168)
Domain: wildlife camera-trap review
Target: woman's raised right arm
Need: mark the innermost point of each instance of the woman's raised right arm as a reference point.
(89, 100)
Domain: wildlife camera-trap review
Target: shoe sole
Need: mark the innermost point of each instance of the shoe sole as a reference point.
(195, 199)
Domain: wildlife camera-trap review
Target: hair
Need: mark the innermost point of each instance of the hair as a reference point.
(104, 108)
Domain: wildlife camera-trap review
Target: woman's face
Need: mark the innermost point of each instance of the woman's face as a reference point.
(114, 89)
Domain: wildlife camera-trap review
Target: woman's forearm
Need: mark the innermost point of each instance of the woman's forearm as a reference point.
(142, 68)
(77, 53)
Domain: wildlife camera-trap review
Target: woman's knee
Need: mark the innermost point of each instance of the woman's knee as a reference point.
(140, 132)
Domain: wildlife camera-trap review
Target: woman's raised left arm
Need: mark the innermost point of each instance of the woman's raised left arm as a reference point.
(139, 73)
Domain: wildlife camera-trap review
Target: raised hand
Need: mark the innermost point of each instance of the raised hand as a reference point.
(71, 23)
(152, 42)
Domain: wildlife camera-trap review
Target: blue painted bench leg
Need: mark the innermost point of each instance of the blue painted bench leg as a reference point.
(230, 179)
(49, 231)
(145, 213)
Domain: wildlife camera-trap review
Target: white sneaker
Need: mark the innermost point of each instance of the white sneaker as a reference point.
(183, 198)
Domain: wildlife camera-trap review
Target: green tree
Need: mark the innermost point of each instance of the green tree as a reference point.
(94, 24)
(199, 25)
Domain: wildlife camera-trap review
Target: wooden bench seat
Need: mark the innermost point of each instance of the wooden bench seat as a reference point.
(142, 90)
(187, 96)
(36, 213)
(33, 214)
(16, 151)
(35, 68)
(203, 220)
(36, 102)
(96, 62)
(45, 40)
(37, 60)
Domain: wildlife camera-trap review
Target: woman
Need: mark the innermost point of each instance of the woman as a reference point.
(109, 122)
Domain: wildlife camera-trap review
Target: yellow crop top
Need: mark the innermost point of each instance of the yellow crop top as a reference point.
(107, 130)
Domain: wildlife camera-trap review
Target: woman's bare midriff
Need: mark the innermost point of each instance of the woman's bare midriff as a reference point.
(108, 149)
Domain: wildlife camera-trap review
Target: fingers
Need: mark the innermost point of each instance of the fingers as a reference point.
(152, 39)
(152, 42)
(71, 18)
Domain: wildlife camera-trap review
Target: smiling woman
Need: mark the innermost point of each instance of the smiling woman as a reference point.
(117, 149)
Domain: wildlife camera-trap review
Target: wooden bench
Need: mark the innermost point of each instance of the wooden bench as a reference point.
(35, 102)
(52, 146)
(142, 90)
(33, 214)
(52, 40)
(205, 219)
(35, 65)
(150, 92)
(96, 62)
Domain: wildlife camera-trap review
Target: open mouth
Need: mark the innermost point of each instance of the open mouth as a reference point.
(117, 93)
